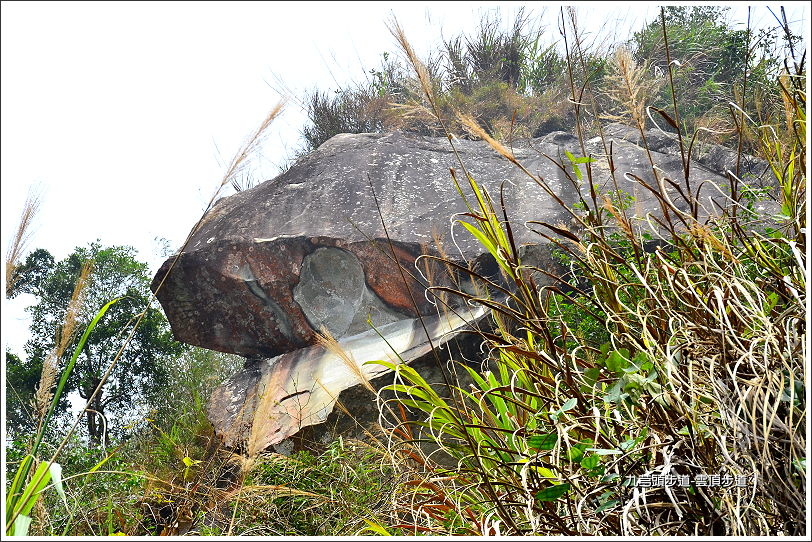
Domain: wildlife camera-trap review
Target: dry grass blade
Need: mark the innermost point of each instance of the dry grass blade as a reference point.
(22, 236)
(630, 86)
(74, 309)
(326, 340)
(475, 129)
(239, 160)
(44, 393)
(419, 68)
(65, 334)
(235, 169)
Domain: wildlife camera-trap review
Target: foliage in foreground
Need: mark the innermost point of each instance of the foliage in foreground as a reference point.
(661, 395)
(131, 485)
(139, 377)
(678, 363)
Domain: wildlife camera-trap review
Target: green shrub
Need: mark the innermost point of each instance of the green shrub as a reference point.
(684, 361)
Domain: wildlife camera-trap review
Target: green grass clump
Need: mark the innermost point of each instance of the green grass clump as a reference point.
(684, 363)
(334, 492)
(675, 349)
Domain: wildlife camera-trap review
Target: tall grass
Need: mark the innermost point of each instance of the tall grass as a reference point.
(661, 365)
(23, 493)
(26, 489)
(663, 396)
(22, 236)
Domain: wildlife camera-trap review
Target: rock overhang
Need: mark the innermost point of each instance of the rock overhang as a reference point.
(241, 268)
(271, 268)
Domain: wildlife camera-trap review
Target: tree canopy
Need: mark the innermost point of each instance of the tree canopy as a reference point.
(710, 58)
(139, 373)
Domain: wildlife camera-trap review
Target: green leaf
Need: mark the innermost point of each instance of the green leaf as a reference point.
(633, 382)
(575, 167)
(641, 360)
(627, 445)
(576, 453)
(590, 462)
(481, 237)
(552, 493)
(565, 407)
(615, 393)
(66, 373)
(35, 486)
(375, 528)
(21, 525)
(56, 478)
(32, 491)
(189, 462)
(605, 451)
(487, 240)
(16, 489)
(616, 361)
(591, 376)
(477, 378)
(543, 471)
(101, 463)
(543, 442)
(388, 364)
(15, 492)
(606, 506)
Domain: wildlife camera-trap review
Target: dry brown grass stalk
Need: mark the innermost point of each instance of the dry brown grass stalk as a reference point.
(235, 169)
(475, 129)
(326, 340)
(622, 221)
(239, 161)
(419, 68)
(44, 393)
(75, 307)
(65, 335)
(630, 85)
(19, 243)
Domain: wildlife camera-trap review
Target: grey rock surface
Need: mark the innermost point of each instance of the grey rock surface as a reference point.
(252, 279)
(271, 400)
(271, 267)
(715, 158)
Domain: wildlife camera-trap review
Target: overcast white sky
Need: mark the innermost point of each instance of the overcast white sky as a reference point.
(116, 111)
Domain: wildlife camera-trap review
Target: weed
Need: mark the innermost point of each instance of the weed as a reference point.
(697, 377)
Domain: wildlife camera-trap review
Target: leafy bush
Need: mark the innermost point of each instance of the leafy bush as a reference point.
(506, 79)
(698, 384)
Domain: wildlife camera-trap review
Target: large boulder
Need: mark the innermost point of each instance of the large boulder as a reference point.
(271, 265)
(273, 399)
(334, 245)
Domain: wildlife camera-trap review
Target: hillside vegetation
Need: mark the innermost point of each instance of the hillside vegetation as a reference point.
(660, 392)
